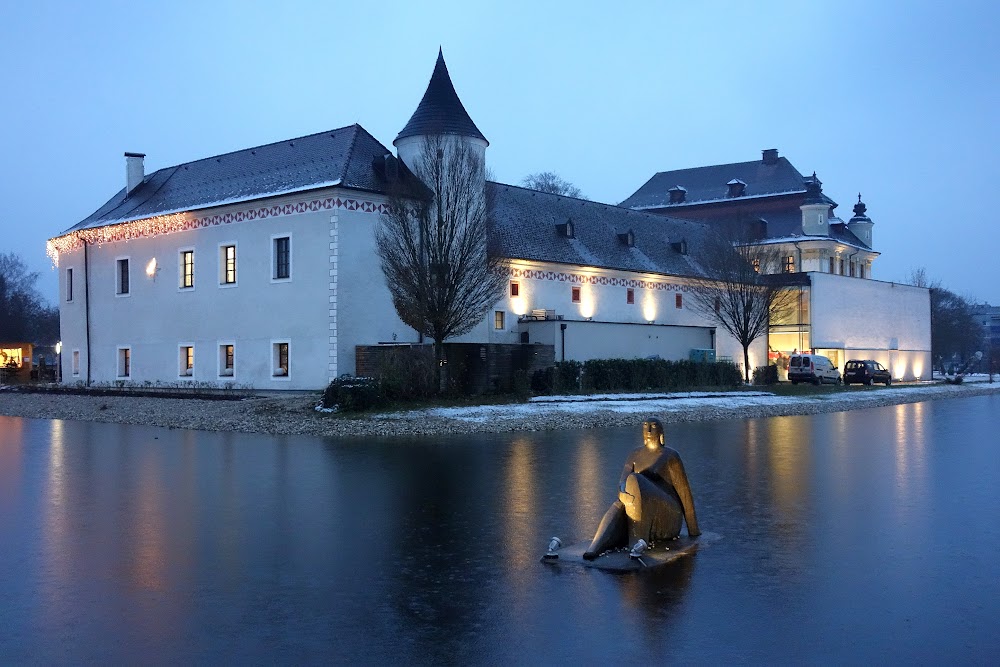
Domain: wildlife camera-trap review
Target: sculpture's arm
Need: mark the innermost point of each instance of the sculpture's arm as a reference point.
(678, 477)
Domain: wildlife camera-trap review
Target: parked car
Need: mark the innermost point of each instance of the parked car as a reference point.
(813, 368)
(866, 371)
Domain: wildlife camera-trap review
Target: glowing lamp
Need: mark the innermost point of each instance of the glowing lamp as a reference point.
(151, 268)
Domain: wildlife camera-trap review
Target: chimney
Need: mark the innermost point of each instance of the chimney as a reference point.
(134, 171)
(770, 155)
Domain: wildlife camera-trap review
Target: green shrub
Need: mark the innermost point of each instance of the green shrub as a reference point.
(406, 374)
(765, 375)
(353, 394)
(637, 375)
(562, 378)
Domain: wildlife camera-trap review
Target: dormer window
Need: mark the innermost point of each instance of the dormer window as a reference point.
(680, 246)
(737, 188)
(567, 229)
(677, 194)
(628, 238)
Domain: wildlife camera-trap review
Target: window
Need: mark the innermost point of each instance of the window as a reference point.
(861, 270)
(281, 258)
(788, 264)
(575, 295)
(515, 288)
(187, 269)
(227, 265)
(841, 267)
(831, 265)
(69, 284)
(678, 300)
(630, 295)
(76, 362)
(498, 320)
(852, 269)
(718, 304)
(186, 361)
(227, 359)
(124, 362)
(121, 277)
(279, 354)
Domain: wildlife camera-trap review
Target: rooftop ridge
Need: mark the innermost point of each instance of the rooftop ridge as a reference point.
(353, 126)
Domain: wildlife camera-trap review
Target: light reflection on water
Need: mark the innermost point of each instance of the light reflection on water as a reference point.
(851, 536)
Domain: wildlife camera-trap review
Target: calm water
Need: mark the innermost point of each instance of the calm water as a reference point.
(863, 536)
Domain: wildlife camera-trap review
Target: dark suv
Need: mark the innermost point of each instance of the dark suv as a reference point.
(866, 371)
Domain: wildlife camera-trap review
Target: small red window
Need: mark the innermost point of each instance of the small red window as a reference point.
(679, 300)
(576, 295)
(515, 288)
(629, 295)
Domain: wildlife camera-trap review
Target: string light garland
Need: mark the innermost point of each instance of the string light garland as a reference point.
(184, 221)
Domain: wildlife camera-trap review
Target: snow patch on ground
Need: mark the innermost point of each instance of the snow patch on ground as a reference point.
(644, 404)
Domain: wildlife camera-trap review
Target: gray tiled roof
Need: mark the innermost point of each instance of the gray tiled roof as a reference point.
(344, 155)
(705, 184)
(440, 110)
(787, 222)
(525, 222)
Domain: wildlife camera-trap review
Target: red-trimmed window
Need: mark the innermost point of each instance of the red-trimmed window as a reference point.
(575, 294)
(629, 295)
(679, 300)
(515, 288)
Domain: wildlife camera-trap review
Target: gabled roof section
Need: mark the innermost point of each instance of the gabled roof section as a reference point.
(337, 157)
(709, 184)
(440, 110)
(526, 226)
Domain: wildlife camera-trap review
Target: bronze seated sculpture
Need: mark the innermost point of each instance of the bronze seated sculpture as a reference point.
(654, 497)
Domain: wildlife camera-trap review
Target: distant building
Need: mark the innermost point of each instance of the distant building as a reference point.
(989, 318)
(258, 268)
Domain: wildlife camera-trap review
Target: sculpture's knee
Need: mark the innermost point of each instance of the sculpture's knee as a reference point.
(631, 497)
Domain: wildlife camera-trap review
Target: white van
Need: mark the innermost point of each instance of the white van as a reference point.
(812, 368)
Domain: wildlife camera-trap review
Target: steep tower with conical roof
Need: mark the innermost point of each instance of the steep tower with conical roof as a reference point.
(439, 114)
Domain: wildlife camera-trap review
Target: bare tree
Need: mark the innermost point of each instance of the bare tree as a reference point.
(435, 249)
(735, 291)
(956, 335)
(24, 314)
(547, 181)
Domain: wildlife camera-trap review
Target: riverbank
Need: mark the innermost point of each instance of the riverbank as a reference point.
(296, 415)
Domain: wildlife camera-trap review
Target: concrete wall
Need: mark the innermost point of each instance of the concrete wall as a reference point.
(613, 340)
(870, 319)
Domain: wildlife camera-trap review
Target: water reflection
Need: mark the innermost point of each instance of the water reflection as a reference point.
(123, 543)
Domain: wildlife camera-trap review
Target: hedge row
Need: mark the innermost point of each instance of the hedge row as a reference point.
(634, 375)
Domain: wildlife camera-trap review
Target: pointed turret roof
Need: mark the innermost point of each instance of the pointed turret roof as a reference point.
(440, 111)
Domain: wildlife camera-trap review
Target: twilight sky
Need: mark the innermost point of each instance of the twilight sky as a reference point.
(900, 101)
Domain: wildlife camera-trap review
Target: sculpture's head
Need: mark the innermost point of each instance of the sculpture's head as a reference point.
(652, 433)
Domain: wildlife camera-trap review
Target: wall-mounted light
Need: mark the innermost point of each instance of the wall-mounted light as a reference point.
(151, 268)
(650, 321)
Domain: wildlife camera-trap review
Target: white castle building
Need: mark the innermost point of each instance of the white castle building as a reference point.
(258, 268)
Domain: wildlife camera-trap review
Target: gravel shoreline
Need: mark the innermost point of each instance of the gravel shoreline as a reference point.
(295, 415)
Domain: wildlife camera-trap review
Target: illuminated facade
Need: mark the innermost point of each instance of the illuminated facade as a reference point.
(842, 312)
(258, 268)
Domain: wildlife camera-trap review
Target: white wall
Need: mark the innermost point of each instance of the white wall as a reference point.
(888, 322)
(157, 316)
(603, 297)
